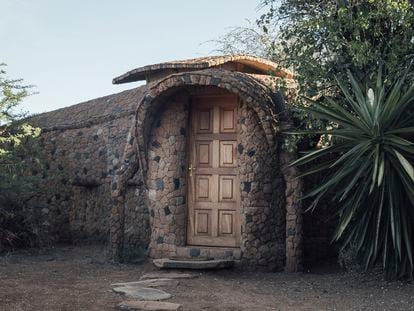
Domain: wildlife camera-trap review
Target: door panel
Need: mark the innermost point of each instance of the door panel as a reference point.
(203, 222)
(228, 153)
(204, 153)
(203, 187)
(214, 196)
(226, 220)
(227, 188)
(228, 120)
(205, 121)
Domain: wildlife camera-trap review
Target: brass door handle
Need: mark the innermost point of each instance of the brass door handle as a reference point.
(191, 169)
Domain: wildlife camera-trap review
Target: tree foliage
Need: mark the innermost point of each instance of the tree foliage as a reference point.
(16, 158)
(250, 40)
(324, 39)
(12, 130)
(319, 40)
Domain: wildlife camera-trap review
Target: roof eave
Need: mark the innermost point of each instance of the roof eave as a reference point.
(141, 73)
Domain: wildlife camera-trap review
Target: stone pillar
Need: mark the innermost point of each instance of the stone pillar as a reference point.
(124, 170)
(116, 230)
(166, 177)
(294, 217)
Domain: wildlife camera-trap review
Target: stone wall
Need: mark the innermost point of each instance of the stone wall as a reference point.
(136, 235)
(167, 161)
(88, 213)
(84, 158)
(294, 213)
(262, 195)
(73, 196)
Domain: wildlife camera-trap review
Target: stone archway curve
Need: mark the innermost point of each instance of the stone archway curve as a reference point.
(258, 95)
(251, 90)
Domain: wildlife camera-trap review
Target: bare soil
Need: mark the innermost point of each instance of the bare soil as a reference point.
(77, 278)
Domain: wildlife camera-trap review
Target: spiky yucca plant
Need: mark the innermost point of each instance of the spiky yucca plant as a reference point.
(369, 171)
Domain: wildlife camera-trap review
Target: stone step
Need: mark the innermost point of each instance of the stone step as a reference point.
(167, 275)
(166, 263)
(206, 252)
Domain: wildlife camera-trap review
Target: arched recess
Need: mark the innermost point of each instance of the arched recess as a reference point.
(252, 91)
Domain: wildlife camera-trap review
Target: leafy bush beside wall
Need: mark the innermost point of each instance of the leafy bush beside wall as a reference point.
(370, 171)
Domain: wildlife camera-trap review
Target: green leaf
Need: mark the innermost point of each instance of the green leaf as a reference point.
(380, 172)
(405, 164)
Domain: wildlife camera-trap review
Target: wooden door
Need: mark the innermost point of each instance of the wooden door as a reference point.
(214, 199)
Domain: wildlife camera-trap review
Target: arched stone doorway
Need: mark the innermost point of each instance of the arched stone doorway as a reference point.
(158, 147)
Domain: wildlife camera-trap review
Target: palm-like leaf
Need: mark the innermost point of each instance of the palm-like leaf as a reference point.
(371, 176)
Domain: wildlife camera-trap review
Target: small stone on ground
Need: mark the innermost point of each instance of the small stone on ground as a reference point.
(148, 306)
(143, 293)
(149, 283)
(167, 275)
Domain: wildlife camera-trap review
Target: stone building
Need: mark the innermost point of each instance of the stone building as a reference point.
(189, 164)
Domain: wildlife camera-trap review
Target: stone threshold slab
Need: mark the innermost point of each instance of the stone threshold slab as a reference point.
(167, 275)
(195, 252)
(166, 263)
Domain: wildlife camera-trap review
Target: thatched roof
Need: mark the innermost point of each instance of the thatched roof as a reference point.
(93, 111)
(261, 65)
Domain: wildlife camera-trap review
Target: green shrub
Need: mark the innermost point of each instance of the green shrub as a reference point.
(369, 171)
(17, 158)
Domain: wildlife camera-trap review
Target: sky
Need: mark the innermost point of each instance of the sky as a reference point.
(70, 50)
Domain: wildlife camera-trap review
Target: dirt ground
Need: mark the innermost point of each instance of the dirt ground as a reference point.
(77, 278)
